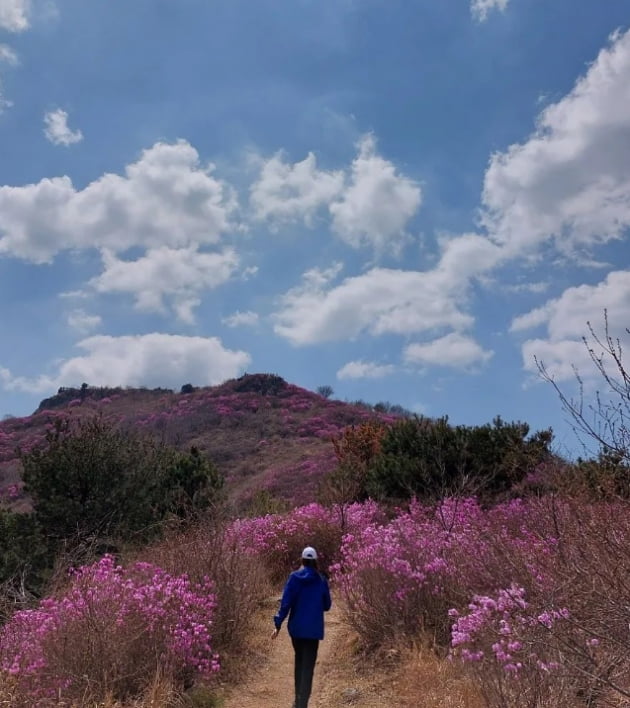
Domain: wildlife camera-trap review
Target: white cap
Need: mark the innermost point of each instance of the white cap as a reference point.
(309, 553)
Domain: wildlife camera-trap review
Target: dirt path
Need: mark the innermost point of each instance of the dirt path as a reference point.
(271, 686)
(415, 679)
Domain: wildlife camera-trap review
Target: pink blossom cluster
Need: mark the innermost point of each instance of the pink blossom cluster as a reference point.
(10, 493)
(404, 566)
(421, 550)
(279, 538)
(505, 629)
(126, 610)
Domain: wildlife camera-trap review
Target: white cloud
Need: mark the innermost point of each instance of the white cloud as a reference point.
(377, 204)
(15, 15)
(535, 287)
(529, 320)
(166, 198)
(83, 322)
(364, 370)
(289, 193)
(75, 295)
(468, 256)
(379, 301)
(454, 350)
(319, 277)
(481, 8)
(370, 205)
(566, 319)
(57, 130)
(184, 308)
(387, 301)
(570, 181)
(179, 274)
(249, 272)
(8, 56)
(141, 360)
(241, 319)
(559, 358)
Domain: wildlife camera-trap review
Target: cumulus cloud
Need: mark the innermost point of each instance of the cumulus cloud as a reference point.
(378, 302)
(166, 198)
(57, 130)
(531, 319)
(364, 370)
(288, 193)
(241, 319)
(376, 206)
(83, 322)
(468, 256)
(178, 274)
(454, 350)
(566, 321)
(570, 181)
(370, 204)
(15, 15)
(482, 8)
(141, 360)
(387, 301)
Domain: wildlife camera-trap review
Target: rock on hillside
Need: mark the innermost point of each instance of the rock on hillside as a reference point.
(262, 432)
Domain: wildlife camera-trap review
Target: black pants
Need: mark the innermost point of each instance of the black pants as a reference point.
(305, 657)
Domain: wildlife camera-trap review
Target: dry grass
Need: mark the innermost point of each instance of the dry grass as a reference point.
(159, 694)
(423, 679)
(413, 677)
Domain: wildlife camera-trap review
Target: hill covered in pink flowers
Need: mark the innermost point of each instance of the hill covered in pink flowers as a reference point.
(262, 432)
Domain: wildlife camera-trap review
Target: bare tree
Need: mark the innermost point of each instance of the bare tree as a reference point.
(604, 417)
(325, 391)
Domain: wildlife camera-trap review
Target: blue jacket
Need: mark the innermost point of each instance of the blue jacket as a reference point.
(305, 598)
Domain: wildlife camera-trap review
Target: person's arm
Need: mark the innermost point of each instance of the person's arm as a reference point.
(327, 600)
(288, 597)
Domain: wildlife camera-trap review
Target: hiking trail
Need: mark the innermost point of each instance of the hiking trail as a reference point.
(271, 683)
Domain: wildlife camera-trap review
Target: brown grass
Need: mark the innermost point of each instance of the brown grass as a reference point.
(411, 677)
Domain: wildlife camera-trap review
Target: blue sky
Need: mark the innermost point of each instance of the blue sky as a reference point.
(407, 200)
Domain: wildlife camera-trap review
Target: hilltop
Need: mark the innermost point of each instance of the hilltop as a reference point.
(261, 431)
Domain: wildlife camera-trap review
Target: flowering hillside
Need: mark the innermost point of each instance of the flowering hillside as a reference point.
(261, 432)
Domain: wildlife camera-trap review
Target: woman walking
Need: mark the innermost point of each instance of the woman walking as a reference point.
(305, 598)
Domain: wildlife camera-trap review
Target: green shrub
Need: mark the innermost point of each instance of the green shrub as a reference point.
(94, 481)
(24, 561)
(430, 459)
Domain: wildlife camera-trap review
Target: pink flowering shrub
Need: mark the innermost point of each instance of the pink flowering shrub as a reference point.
(532, 596)
(110, 633)
(510, 647)
(395, 576)
(280, 538)
(565, 634)
(240, 580)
